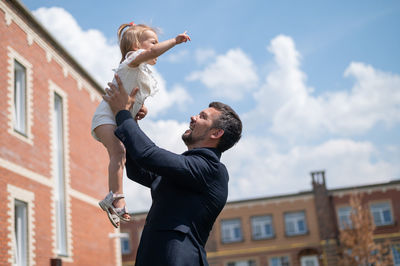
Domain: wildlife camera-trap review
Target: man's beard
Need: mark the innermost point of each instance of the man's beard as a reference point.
(190, 140)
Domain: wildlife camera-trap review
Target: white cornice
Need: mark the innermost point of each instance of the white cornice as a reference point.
(51, 53)
(19, 170)
(370, 189)
(273, 200)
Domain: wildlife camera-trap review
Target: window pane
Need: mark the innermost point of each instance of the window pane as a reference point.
(387, 216)
(231, 230)
(19, 97)
(295, 223)
(262, 227)
(344, 214)
(60, 178)
(396, 254)
(268, 230)
(21, 233)
(377, 218)
(301, 226)
(381, 213)
(125, 246)
(274, 262)
(279, 261)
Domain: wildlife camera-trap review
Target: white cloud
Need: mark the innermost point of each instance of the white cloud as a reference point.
(290, 108)
(99, 56)
(203, 55)
(164, 99)
(257, 169)
(261, 166)
(231, 75)
(285, 104)
(177, 56)
(137, 197)
(166, 133)
(90, 48)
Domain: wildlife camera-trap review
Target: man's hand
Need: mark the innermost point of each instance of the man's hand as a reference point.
(117, 97)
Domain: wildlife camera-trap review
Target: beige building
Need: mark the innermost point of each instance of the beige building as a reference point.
(294, 229)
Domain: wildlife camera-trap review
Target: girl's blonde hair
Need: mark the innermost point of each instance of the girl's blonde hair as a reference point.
(129, 35)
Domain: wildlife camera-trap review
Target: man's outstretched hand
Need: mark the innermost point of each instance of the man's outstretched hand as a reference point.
(117, 97)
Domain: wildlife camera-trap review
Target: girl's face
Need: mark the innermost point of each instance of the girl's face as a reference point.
(147, 40)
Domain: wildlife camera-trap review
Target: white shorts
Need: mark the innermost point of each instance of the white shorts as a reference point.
(102, 116)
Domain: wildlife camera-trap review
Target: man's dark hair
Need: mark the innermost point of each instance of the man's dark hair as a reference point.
(228, 121)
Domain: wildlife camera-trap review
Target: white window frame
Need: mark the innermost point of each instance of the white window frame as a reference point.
(292, 219)
(377, 210)
(242, 262)
(15, 129)
(228, 230)
(62, 247)
(18, 194)
(21, 232)
(280, 263)
(313, 259)
(258, 224)
(19, 110)
(60, 193)
(344, 217)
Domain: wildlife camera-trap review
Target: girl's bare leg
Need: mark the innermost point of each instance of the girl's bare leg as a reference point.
(116, 152)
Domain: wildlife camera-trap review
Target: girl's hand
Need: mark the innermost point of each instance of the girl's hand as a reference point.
(142, 113)
(183, 37)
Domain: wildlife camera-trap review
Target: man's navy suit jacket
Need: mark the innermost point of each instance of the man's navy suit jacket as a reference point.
(188, 193)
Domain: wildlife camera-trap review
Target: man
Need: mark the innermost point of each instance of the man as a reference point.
(188, 191)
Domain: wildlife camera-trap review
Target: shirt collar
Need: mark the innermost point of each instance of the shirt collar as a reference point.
(214, 150)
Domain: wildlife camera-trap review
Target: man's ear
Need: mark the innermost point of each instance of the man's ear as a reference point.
(217, 133)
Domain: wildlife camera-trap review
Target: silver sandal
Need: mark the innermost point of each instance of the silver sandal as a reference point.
(107, 205)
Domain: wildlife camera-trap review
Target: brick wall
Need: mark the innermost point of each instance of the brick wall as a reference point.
(26, 162)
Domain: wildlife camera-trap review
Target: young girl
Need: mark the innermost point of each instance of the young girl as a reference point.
(139, 46)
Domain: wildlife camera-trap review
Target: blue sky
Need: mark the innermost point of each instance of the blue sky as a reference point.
(316, 83)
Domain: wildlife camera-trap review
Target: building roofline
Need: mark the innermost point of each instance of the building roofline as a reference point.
(342, 189)
(283, 196)
(299, 194)
(26, 13)
(307, 192)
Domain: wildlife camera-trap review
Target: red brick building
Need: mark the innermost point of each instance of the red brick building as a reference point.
(295, 229)
(52, 172)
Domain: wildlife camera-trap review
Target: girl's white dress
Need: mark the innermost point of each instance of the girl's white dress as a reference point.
(132, 77)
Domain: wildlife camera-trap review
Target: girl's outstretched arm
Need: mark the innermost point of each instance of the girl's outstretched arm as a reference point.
(158, 49)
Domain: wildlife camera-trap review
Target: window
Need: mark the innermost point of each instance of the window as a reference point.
(309, 261)
(242, 263)
(231, 231)
(19, 98)
(279, 261)
(20, 202)
(344, 215)
(262, 227)
(125, 246)
(295, 223)
(382, 213)
(58, 141)
(396, 254)
(21, 233)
